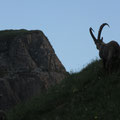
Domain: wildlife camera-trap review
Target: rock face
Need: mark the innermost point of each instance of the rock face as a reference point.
(28, 66)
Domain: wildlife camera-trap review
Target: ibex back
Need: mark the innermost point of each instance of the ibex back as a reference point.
(108, 52)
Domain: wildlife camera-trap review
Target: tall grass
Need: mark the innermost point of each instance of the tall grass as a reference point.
(90, 94)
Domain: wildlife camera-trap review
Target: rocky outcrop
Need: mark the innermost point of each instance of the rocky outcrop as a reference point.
(28, 66)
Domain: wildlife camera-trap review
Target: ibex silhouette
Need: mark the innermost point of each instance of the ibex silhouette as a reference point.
(108, 52)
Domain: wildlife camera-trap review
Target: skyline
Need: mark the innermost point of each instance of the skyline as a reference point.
(66, 25)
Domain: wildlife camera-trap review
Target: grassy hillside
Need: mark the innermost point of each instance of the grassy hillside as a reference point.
(88, 95)
(10, 34)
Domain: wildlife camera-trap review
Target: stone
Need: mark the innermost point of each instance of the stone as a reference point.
(28, 66)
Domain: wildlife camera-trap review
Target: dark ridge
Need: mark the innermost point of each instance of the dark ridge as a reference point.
(10, 34)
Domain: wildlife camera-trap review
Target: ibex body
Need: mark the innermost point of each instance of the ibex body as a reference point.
(108, 52)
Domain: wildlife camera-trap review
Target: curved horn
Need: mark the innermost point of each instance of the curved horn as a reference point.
(91, 33)
(100, 29)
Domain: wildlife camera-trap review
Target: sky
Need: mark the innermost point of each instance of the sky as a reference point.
(66, 24)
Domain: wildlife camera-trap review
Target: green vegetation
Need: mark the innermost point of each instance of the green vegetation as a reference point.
(90, 94)
(10, 34)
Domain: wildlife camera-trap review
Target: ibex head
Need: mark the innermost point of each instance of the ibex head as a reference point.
(98, 41)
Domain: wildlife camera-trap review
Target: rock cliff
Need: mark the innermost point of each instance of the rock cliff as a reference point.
(28, 66)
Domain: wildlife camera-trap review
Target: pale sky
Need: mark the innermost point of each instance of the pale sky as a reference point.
(66, 24)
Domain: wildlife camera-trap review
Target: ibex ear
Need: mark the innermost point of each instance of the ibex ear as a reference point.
(101, 39)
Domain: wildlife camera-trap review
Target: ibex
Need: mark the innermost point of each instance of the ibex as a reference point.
(108, 52)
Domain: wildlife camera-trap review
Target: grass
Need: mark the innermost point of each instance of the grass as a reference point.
(90, 94)
(10, 34)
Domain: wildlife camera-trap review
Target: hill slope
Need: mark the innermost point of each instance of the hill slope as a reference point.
(88, 95)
